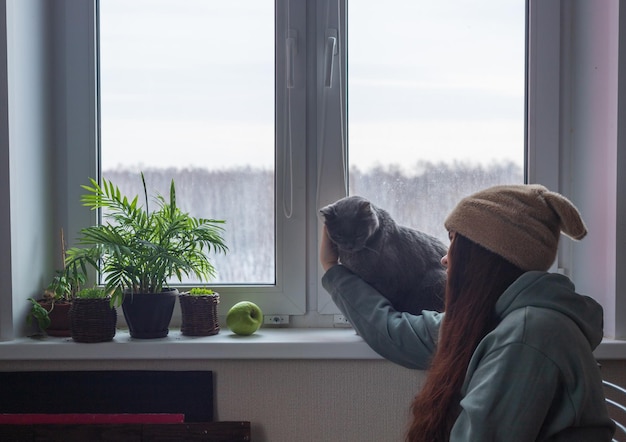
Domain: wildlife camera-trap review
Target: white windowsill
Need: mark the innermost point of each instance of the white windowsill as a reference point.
(611, 349)
(288, 343)
(291, 343)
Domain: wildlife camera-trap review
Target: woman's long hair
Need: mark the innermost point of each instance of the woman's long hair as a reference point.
(476, 279)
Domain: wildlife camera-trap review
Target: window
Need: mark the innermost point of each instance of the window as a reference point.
(196, 92)
(435, 105)
(187, 93)
(439, 88)
(319, 174)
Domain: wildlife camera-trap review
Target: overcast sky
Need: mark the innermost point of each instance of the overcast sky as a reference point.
(438, 81)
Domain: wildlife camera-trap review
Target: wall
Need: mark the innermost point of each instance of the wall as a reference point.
(592, 116)
(28, 250)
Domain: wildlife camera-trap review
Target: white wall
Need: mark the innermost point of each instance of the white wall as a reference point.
(591, 149)
(27, 143)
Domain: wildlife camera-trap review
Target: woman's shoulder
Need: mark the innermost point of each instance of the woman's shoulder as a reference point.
(545, 307)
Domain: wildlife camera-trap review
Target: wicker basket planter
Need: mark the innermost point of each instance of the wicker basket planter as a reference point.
(92, 320)
(199, 314)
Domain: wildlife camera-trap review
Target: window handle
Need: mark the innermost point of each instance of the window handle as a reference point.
(291, 46)
(329, 58)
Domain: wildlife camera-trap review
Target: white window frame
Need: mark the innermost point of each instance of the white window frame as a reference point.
(287, 296)
(576, 120)
(331, 141)
(574, 145)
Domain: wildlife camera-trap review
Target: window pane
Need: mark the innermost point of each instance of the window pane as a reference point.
(187, 93)
(436, 103)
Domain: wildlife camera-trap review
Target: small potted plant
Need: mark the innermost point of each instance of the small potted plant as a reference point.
(92, 317)
(52, 311)
(198, 308)
(138, 251)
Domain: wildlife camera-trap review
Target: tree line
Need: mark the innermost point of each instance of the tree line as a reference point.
(244, 198)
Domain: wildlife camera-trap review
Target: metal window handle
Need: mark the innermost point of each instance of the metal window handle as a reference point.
(329, 58)
(291, 47)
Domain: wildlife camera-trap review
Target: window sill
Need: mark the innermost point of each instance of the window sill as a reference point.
(292, 343)
(611, 349)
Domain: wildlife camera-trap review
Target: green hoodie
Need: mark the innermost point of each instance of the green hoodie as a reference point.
(533, 377)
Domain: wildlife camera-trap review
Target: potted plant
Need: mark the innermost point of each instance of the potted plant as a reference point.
(92, 317)
(52, 311)
(198, 308)
(138, 252)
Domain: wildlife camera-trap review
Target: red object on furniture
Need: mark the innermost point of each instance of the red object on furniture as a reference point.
(91, 418)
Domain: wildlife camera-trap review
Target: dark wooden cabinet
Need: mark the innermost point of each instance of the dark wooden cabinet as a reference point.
(196, 431)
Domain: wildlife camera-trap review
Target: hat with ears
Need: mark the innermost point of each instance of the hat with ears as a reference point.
(521, 223)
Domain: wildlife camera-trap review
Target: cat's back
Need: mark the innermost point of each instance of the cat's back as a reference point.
(422, 243)
(408, 269)
(408, 240)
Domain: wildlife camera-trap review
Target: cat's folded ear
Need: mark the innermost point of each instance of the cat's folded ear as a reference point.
(328, 212)
(365, 206)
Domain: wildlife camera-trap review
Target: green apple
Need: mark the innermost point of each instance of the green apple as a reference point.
(244, 318)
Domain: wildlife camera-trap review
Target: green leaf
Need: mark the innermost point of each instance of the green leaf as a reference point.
(40, 314)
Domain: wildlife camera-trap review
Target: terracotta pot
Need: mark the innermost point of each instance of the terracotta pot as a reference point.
(148, 315)
(59, 317)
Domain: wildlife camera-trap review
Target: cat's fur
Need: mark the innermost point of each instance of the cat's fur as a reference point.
(403, 264)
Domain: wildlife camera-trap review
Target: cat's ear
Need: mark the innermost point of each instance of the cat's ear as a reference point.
(365, 207)
(328, 212)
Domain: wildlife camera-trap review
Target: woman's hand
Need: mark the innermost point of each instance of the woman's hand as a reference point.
(328, 251)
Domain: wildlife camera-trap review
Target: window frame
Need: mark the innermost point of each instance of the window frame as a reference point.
(331, 124)
(561, 136)
(333, 171)
(325, 168)
(287, 296)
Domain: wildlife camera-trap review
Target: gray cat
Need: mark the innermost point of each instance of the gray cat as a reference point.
(403, 264)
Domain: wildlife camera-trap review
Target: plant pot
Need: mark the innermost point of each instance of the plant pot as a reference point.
(148, 315)
(92, 320)
(59, 317)
(199, 314)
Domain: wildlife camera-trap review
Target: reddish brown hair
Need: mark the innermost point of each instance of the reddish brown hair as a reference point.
(476, 279)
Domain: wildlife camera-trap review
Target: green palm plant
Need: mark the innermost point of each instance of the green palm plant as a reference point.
(138, 250)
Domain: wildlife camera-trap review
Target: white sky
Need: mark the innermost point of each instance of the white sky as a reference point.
(190, 83)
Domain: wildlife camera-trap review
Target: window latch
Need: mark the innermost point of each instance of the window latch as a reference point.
(329, 56)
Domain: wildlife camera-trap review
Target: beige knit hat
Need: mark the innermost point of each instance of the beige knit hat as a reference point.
(521, 223)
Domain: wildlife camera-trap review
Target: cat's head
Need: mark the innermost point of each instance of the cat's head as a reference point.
(350, 222)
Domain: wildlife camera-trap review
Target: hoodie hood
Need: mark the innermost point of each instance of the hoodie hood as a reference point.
(554, 292)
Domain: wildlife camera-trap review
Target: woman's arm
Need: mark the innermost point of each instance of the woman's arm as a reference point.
(403, 338)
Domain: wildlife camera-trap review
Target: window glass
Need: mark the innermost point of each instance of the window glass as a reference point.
(187, 93)
(435, 103)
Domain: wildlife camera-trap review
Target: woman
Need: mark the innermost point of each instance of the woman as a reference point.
(511, 358)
